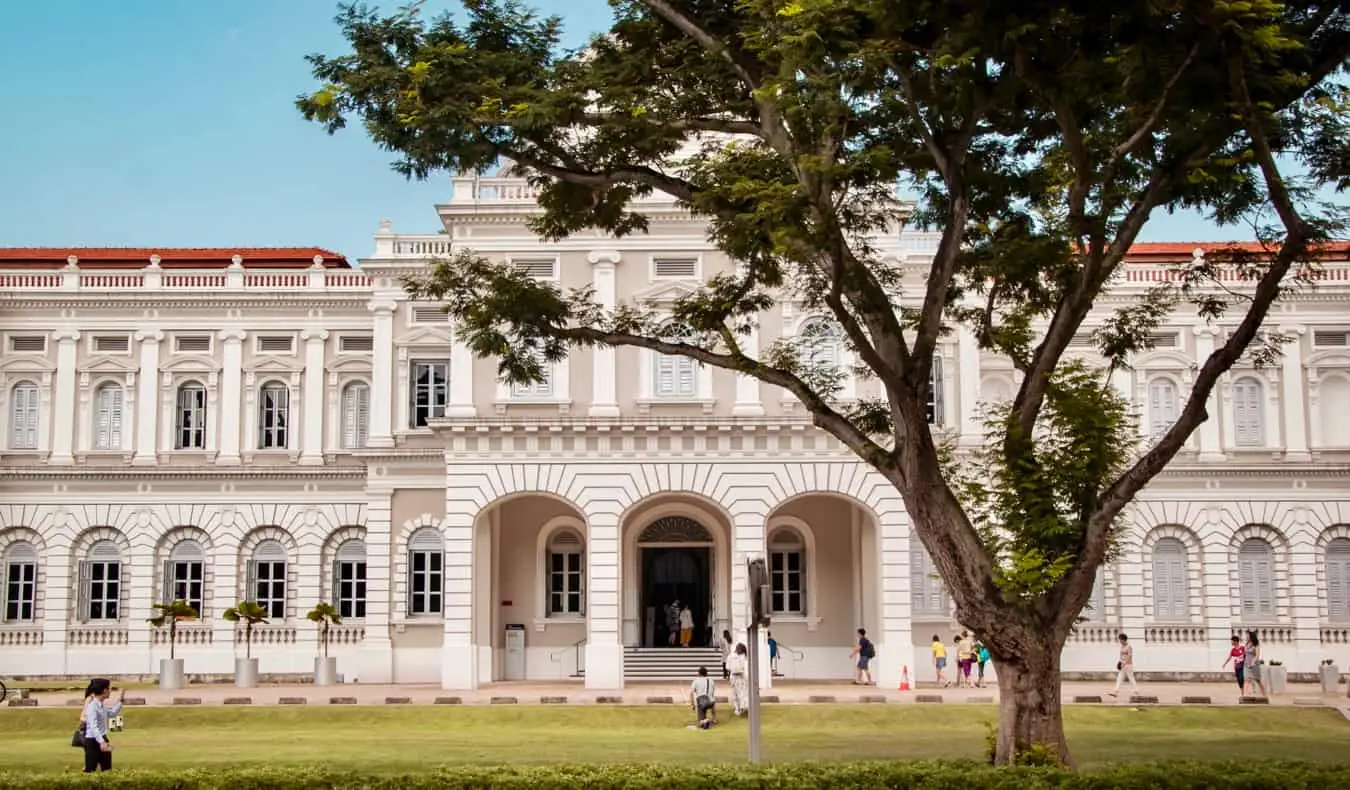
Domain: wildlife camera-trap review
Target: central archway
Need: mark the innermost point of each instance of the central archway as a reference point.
(675, 548)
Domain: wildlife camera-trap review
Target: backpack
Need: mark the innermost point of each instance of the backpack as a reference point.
(868, 649)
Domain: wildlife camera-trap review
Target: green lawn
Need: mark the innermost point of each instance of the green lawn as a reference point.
(400, 739)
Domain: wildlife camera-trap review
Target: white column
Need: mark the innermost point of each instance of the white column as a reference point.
(63, 403)
(1295, 403)
(604, 641)
(895, 643)
(1211, 447)
(377, 657)
(459, 665)
(231, 396)
(461, 380)
(749, 402)
(147, 397)
(968, 379)
(747, 543)
(1122, 381)
(605, 392)
(311, 442)
(382, 377)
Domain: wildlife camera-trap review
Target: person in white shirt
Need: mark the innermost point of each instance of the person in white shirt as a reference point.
(97, 747)
(738, 664)
(727, 645)
(703, 699)
(1125, 667)
(686, 626)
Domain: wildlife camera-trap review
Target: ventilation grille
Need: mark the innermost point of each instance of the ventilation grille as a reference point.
(1164, 339)
(429, 315)
(192, 344)
(28, 343)
(1329, 338)
(1082, 341)
(276, 345)
(539, 268)
(112, 344)
(675, 267)
(356, 344)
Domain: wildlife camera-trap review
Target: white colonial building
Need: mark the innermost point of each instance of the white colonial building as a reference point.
(274, 425)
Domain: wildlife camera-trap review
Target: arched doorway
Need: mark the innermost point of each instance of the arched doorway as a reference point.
(677, 567)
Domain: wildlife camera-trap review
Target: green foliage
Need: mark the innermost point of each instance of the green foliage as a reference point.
(250, 613)
(326, 616)
(170, 614)
(865, 776)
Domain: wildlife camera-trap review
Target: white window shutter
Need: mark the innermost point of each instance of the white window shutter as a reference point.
(665, 375)
(82, 584)
(1248, 399)
(1180, 588)
(336, 584)
(115, 425)
(167, 587)
(1264, 588)
(251, 581)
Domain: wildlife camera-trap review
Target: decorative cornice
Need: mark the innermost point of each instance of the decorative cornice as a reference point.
(193, 473)
(354, 300)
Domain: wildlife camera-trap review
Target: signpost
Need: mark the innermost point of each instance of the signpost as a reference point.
(757, 577)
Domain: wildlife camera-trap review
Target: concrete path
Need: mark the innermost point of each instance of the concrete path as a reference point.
(787, 693)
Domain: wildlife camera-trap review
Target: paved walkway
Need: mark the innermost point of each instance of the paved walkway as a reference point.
(789, 693)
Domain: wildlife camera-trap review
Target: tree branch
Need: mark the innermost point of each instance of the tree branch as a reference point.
(677, 188)
(734, 126)
(1150, 123)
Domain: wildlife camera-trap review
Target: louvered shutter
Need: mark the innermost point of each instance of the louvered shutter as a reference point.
(251, 581)
(335, 592)
(115, 418)
(582, 583)
(1338, 580)
(1265, 584)
(1255, 582)
(918, 580)
(408, 582)
(1162, 588)
(686, 383)
(24, 417)
(1162, 406)
(665, 375)
(82, 584)
(166, 587)
(1179, 587)
(1247, 416)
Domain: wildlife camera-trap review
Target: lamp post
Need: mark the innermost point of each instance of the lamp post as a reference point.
(757, 578)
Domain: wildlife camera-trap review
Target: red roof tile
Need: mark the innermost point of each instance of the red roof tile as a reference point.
(1175, 249)
(169, 257)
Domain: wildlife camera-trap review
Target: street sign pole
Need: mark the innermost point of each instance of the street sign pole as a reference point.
(752, 678)
(757, 579)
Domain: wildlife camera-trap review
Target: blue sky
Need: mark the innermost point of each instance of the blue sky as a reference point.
(172, 123)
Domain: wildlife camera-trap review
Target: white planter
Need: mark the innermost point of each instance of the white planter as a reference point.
(1277, 679)
(171, 674)
(246, 673)
(1331, 678)
(325, 671)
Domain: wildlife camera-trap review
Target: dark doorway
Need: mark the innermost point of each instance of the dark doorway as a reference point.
(671, 574)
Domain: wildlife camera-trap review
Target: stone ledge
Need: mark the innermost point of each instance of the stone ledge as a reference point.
(342, 700)
(979, 700)
(608, 700)
(1088, 699)
(1254, 700)
(822, 699)
(1197, 701)
(293, 701)
(871, 698)
(398, 700)
(449, 701)
(660, 700)
(23, 702)
(503, 701)
(1310, 701)
(770, 698)
(74, 703)
(187, 700)
(133, 701)
(932, 698)
(553, 700)
(1145, 699)
(238, 700)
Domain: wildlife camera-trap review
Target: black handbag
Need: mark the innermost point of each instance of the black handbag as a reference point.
(77, 740)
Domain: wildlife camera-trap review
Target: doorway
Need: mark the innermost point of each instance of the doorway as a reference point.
(672, 574)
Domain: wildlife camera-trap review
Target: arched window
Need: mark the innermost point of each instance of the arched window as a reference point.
(1338, 580)
(355, 415)
(21, 561)
(674, 376)
(934, 404)
(787, 572)
(1249, 402)
(928, 592)
(349, 579)
(274, 417)
(1162, 406)
(190, 419)
(100, 583)
(1095, 610)
(1171, 588)
(1256, 579)
(566, 574)
(108, 417)
(266, 583)
(185, 575)
(821, 343)
(426, 572)
(23, 416)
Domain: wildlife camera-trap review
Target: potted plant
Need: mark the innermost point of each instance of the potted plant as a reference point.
(1277, 677)
(325, 668)
(250, 613)
(1330, 675)
(169, 615)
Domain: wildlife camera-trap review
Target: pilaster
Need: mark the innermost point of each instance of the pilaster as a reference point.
(604, 643)
(968, 383)
(895, 644)
(747, 543)
(1295, 399)
(605, 390)
(1218, 598)
(377, 657)
(63, 403)
(459, 665)
(461, 401)
(231, 396)
(382, 376)
(1305, 599)
(147, 397)
(311, 443)
(749, 401)
(1211, 442)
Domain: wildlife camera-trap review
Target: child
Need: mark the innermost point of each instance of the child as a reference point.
(940, 661)
(965, 656)
(982, 656)
(773, 654)
(863, 653)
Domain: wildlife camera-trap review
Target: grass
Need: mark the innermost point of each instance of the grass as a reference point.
(400, 739)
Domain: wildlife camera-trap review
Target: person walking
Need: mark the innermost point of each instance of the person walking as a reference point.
(1125, 666)
(686, 626)
(965, 659)
(1237, 655)
(773, 654)
(97, 748)
(673, 623)
(738, 663)
(940, 661)
(863, 652)
(981, 658)
(1251, 657)
(727, 647)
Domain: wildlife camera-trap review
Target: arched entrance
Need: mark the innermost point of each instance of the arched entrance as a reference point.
(676, 557)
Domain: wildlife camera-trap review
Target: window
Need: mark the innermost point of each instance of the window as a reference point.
(1248, 402)
(929, 593)
(190, 420)
(822, 343)
(1256, 579)
(1171, 588)
(934, 401)
(108, 417)
(100, 580)
(1338, 580)
(1162, 406)
(426, 571)
(23, 416)
(21, 560)
(349, 579)
(266, 584)
(273, 416)
(675, 376)
(1095, 609)
(430, 392)
(355, 415)
(185, 575)
(787, 572)
(566, 574)
(541, 389)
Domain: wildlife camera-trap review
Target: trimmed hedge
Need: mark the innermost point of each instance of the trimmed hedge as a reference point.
(828, 776)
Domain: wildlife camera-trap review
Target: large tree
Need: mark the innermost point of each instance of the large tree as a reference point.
(1038, 137)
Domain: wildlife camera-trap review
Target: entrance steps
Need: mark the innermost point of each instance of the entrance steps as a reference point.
(669, 663)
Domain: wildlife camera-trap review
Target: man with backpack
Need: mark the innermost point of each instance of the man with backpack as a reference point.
(864, 653)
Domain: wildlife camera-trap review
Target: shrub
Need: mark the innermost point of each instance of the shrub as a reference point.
(831, 776)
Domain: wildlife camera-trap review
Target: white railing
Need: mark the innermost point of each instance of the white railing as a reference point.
(493, 189)
(73, 279)
(431, 246)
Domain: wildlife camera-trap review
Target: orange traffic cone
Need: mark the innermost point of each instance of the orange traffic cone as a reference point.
(904, 678)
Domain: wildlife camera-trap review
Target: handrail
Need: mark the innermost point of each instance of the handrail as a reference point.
(575, 647)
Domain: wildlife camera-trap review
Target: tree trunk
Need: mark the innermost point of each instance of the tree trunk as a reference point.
(1031, 712)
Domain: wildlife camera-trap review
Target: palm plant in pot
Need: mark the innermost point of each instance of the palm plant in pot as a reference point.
(169, 615)
(325, 615)
(250, 613)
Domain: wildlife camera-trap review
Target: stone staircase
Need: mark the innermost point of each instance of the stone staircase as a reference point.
(643, 664)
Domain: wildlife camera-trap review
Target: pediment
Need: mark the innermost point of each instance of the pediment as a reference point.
(191, 364)
(28, 364)
(276, 365)
(109, 365)
(664, 293)
(1334, 358)
(426, 336)
(350, 364)
(1163, 360)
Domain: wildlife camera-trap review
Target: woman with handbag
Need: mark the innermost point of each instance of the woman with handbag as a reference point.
(97, 747)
